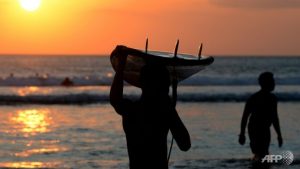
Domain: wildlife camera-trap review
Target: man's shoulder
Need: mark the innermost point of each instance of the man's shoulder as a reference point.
(274, 97)
(260, 95)
(254, 96)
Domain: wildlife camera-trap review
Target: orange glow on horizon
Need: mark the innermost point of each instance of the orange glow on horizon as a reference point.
(96, 27)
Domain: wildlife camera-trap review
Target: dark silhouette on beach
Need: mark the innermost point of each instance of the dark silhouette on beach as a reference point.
(146, 122)
(261, 109)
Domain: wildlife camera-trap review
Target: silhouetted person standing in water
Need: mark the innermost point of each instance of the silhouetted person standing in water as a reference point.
(262, 109)
(147, 121)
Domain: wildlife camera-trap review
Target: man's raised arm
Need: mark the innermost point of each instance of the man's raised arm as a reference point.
(116, 90)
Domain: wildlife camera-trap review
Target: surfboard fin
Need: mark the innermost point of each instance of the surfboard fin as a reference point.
(200, 51)
(146, 47)
(176, 49)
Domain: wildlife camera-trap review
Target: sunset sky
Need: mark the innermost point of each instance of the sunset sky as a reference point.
(226, 27)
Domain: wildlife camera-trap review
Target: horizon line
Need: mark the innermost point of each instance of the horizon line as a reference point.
(105, 55)
(36, 54)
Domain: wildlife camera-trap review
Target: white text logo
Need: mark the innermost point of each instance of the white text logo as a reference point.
(286, 157)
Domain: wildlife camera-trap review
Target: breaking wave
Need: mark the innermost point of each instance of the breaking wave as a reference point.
(102, 98)
(107, 80)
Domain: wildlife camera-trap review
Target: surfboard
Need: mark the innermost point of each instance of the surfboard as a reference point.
(180, 66)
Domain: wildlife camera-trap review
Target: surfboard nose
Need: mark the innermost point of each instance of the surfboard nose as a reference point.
(180, 66)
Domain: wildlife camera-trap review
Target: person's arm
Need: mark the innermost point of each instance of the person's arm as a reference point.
(174, 92)
(244, 121)
(179, 132)
(277, 126)
(116, 91)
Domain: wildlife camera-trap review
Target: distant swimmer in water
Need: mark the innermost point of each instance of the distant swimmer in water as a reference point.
(146, 122)
(67, 82)
(11, 75)
(261, 109)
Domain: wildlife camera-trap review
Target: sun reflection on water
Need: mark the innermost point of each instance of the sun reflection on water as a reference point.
(52, 150)
(32, 121)
(27, 165)
(31, 90)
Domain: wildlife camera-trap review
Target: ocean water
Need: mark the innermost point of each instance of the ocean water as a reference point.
(91, 136)
(96, 70)
(37, 79)
(45, 125)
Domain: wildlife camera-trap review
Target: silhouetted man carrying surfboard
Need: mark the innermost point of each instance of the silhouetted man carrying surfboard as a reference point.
(261, 107)
(147, 121)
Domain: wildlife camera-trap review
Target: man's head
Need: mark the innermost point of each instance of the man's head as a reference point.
(266, 81)
(155, 80)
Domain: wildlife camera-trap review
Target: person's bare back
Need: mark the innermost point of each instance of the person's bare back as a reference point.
(147, 122)
(261, 109)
